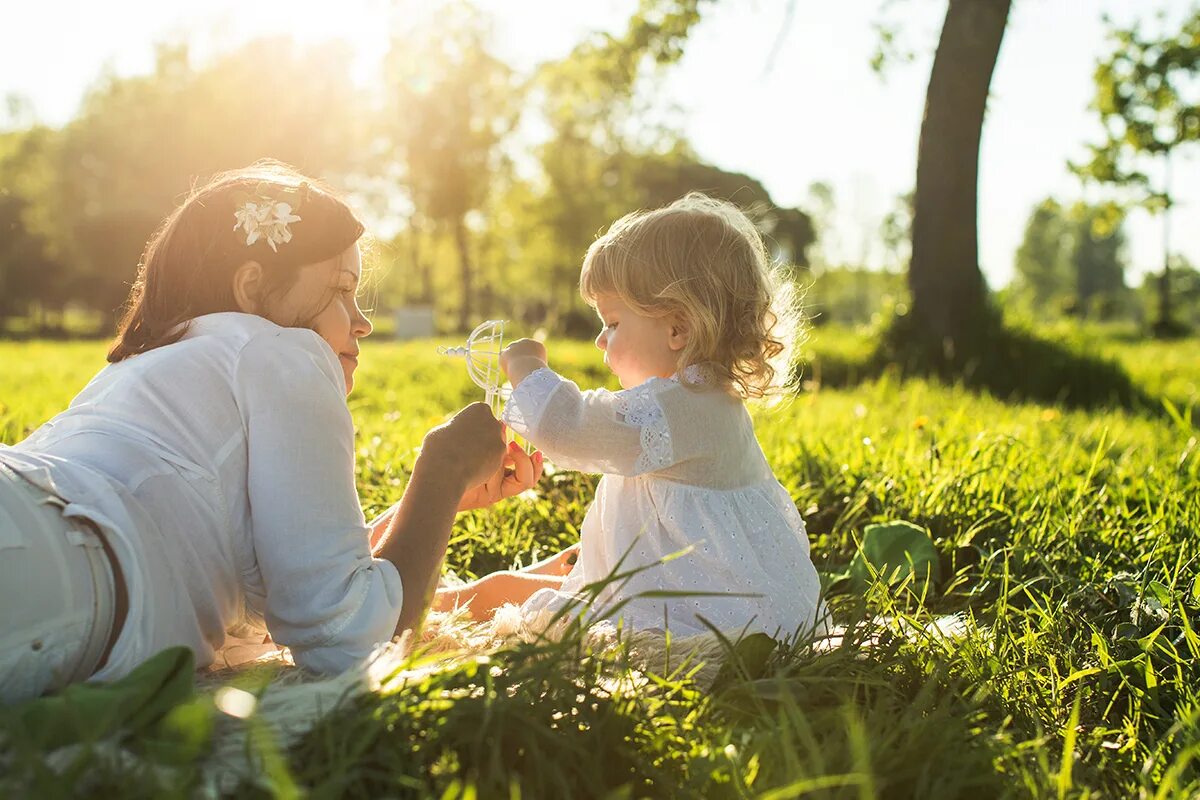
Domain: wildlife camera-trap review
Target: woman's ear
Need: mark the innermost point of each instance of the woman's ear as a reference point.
(680, 335)
(247, 286)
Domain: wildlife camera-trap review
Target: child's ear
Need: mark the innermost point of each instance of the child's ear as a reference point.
(681, 334)
(247, 286)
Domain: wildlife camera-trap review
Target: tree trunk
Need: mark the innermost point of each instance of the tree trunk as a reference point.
(423, 268)
(948, 290)
(464, 263)
(1163, 326)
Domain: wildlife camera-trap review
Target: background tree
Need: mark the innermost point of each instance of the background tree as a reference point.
(137, 143)
(1072, 260)
(31, 281)
(1041, 277)
(452, 103)
(948, 290)
(1098, 259)
(1147, 99)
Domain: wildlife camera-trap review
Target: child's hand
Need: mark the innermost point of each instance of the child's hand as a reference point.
(521, 358)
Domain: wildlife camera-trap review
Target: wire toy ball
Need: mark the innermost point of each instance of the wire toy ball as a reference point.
(482, 354)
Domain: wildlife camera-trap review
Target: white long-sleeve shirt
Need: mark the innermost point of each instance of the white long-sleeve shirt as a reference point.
(221, 469)
(683, 472)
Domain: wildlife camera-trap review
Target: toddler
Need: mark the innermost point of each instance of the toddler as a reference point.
(695, 322)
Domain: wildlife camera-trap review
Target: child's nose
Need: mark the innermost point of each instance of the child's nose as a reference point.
(602, 340)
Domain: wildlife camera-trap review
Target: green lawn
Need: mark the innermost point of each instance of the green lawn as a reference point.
(1068, 539)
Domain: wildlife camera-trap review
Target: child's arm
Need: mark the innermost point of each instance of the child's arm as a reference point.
(622, 433)
(484, 596)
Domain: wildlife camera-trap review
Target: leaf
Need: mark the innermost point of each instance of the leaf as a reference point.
(86, 712)
(894, 551)
(747, 661)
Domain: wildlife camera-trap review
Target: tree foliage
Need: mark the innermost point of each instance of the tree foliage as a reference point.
(1072, 259)
(487, 185)
(1147, 100)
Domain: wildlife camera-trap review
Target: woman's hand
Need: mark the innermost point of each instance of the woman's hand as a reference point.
(521, 358)
(470, 447)
(518, 472)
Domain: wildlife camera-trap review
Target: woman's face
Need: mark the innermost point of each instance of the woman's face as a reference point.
(340, 322)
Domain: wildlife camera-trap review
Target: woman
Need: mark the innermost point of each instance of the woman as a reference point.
(203, 481)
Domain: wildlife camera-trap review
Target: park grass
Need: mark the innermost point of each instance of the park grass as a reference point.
(1068, 542)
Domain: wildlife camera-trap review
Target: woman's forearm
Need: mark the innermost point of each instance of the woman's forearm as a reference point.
(419, 532)
(379, 529)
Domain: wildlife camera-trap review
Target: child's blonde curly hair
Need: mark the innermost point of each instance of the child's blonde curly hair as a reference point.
(703, 260)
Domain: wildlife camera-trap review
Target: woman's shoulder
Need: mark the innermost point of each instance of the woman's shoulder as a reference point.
(239, 329)
(262, 349)
(291, 358)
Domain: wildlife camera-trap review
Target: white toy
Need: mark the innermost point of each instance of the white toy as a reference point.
(482, 354)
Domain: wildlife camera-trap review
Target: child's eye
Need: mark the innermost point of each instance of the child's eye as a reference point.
(612, 326)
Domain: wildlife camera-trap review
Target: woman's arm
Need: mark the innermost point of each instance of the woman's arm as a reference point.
(464, 452)
(520, 471)
(379, 528)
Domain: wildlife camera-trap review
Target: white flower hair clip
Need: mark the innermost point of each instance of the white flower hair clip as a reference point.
(262, 217)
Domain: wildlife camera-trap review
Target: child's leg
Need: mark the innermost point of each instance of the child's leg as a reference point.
(557, 564)
(484, 596)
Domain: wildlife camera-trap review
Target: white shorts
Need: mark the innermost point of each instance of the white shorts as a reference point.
(57, 593)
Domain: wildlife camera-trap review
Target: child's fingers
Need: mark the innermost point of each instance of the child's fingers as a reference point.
(523, 476)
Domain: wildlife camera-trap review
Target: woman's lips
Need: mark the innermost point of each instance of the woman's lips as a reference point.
(351, 359)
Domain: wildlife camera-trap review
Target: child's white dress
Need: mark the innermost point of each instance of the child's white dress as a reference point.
(683, 471)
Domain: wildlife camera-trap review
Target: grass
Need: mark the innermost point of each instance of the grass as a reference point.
(1068, 539)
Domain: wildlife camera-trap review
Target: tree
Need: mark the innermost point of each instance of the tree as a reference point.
(1146, 99)
(29, 277)
(1042, 277)
(895, 232)
(661, 178)
(452, 104)
(589, 103)
(948, 290)
(1072, 258)
(1097, 258)
(138, 143)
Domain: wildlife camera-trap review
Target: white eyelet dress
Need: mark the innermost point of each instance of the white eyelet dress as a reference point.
(686, 493)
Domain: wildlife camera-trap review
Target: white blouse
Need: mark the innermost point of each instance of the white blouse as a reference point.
(687, 494)
(221, 468)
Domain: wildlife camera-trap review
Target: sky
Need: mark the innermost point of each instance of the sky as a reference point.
(816, 112)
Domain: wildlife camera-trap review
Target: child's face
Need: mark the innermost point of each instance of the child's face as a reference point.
(636, 347)
(341, 322)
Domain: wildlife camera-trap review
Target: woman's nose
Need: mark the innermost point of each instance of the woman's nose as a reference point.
(362, 326)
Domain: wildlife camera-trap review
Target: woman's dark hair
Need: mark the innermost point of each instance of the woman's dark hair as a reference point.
(188, 265)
